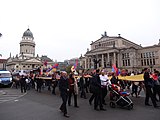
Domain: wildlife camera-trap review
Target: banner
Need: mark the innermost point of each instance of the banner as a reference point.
(131, 78)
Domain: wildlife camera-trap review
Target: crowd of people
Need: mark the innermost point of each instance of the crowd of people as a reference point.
(95, 83)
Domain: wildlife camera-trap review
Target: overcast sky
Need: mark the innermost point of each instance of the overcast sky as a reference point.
(64, 29)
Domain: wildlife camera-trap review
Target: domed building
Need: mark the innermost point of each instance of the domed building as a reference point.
(26, 59)
(27, 45)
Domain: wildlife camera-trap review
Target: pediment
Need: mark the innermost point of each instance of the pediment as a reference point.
(9, 59)
(100, 49)
(33, 60)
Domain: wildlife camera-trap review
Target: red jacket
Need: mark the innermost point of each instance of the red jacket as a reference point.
(71, 84)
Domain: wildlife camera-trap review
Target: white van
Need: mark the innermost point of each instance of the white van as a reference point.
(5, 77)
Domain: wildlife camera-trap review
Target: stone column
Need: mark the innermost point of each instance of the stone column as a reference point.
(108, 61)
(98, 62)
(118, 59)
(85, 62)
(92, 63)
(114, 58)
(102, 60)
(89, 63)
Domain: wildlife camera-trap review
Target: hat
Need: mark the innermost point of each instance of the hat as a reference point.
(64, 72)
(103, 71)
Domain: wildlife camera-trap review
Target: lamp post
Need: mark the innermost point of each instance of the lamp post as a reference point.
(95, 63)
(151, 66)
(0, 37)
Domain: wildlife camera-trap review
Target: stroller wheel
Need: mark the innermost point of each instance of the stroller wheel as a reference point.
(130, 107)
(112, 105)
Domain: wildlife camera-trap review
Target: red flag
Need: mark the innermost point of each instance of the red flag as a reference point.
(76, 64)
(45, 63)
(55, 65)
(114, 69)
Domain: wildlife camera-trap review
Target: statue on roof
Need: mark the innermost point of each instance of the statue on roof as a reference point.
(114, 45)
(105, 34)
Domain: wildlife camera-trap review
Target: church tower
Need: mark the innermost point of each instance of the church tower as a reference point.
(27, 44)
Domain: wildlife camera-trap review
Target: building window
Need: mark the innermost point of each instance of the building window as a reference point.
(123, 63)
(144, 55)
(127, 55)
(150, 61)
(24, 66)
(129, 62)
(150, 54)
(147, 61)
(153, 55)
(147, 55)
(16, 66)
(142, 62)
(141, 55)
(126, 62)
(122, 56)
(154, 62)
(28, 66)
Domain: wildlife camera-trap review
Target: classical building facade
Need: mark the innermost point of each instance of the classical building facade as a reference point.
(123, 53)
(26, 60)
(3, 64)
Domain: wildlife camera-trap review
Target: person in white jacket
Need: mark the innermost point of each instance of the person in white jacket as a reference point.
(104, 82)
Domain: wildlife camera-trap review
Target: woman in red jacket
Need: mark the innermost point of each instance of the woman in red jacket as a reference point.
(72, 90)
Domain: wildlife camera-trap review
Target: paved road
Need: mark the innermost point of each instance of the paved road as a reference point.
(6, 94)
(44, 106)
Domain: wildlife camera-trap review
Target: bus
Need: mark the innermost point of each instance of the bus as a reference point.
(5, 78)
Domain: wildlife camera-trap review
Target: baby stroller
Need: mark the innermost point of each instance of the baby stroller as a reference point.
(120, 98)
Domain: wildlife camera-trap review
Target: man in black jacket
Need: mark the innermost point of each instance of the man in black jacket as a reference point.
(64, 89)
(23, 83)
(149, 86)
(83, 85)
(97, 91)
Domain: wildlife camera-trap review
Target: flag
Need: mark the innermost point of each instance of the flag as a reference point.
(41, 71)
(49, 69)
(119, 71)
(45, 63)
(76, 64)
(73, 68)
(55, 66)
(115, 69)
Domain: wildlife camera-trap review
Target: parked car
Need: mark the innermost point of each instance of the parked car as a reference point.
(5, 78)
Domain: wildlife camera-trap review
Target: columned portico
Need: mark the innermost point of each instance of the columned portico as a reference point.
(125, 54)
(108, 58)
(118, 60)
(86, 63)
(102, 60)
(114, 58)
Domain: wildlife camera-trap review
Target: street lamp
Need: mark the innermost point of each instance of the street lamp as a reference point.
(96, 61)
(0, 36)
(151, 66)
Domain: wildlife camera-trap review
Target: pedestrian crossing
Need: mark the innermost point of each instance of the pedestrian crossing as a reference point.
(9, 95)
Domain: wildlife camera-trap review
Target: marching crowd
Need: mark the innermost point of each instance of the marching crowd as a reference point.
(96, 83)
